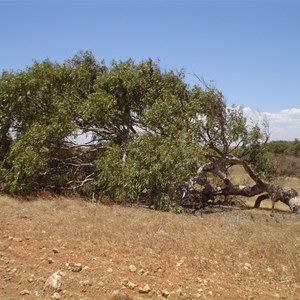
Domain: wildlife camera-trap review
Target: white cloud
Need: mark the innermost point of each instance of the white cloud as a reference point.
(284, 125)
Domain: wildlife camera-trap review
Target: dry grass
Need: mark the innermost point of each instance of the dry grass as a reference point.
(288, 165)
(229, 254)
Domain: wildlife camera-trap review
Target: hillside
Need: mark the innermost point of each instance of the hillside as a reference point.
(114, 252)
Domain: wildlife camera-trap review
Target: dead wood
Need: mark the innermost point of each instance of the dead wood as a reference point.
(264, 190)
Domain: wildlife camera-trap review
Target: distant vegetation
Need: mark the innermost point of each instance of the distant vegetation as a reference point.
(127, 130)
(286, 157)
(290, 148)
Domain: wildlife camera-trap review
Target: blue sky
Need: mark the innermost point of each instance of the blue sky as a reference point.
(250, 49)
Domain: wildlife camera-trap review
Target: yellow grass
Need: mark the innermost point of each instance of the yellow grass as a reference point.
(229, 254)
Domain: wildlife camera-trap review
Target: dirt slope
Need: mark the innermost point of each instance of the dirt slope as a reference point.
(135, 253)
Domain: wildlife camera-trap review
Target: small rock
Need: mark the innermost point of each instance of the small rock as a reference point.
(17, 239)
(125, 282)
(277, 295)
(109, 270)
(247, 266)
(132, 268)
(165, 293)
(145, 289)
(55, 296)
(24, 292)
(179, 291)
(54, 250)
(129, 284)
(117, 295)
(74, 267)
(270, 270)
(85, 283)
(50, 260)
(143, 272)
(54, 281)
(158, 269)
(179, 263)
(101, 283)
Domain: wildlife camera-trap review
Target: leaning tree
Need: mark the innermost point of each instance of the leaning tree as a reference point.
(130, 131)
(228, 139)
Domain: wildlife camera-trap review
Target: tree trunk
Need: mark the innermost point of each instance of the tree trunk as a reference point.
(264, 190)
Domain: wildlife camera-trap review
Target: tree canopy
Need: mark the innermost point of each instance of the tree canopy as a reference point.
(127, 130)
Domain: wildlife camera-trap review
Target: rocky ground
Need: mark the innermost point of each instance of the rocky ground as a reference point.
(71, 249)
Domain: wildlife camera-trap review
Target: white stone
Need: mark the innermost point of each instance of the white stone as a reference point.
(165, 293)
(54, 281)
(17, 239)
(24, 292)
(247, 266)
(50, 260)
(132, 268)
(56, 296)
(145, 289)
(131, 285)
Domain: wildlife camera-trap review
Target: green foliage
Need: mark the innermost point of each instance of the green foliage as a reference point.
(262, 162)
(30, 159)
(253, 148)
(152, 169)
(285, 147)
(38, 109)
(26, 159)
(147, 130)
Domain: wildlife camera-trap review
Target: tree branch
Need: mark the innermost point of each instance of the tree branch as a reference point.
(274, 192)
(79, 184)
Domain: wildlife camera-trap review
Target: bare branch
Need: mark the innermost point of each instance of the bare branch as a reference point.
(274, 192)
(78, 183)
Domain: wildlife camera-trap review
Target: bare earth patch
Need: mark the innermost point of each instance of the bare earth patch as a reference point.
(114, 252)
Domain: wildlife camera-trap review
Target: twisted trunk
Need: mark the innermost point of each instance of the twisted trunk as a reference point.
(216, 166)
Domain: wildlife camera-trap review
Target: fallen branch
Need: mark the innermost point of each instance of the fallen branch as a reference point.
(207, 191)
